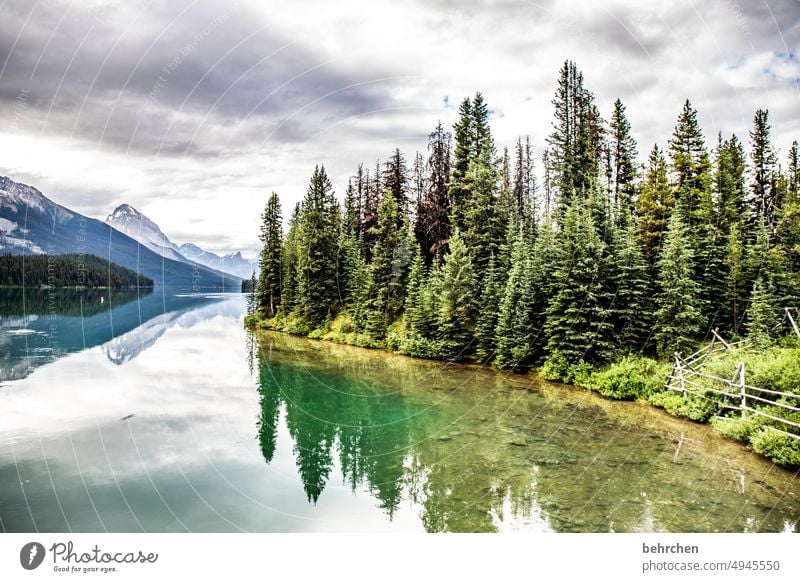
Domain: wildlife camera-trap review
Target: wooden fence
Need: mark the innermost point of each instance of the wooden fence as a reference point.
(735, 392)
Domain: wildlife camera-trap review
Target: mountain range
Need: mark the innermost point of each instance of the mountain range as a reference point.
(31, 223)
(127, 219)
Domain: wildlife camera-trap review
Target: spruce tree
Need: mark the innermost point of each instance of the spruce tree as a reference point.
(463, 154)
(413, 311)
(385, 269)
(269, 280)
(490, 297)
(730, 183)
(482, 222)
(631, 311)
(457, 300)
(576, 142)
(761, 315)
(762, 187)
(735, 291)
(623, 162)
(578, 322)
(515, 328)
(289, 255)
(793, 176)
(432, 226)
(653, 205)
(395, 180)
(318, 247)
(692, 168)
(678, 320)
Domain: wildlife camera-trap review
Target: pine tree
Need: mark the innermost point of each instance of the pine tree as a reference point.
(289, 279)
(730, 183)
(483, 224)
(413, 303)
(432, 226)
(576, 142)
(623, 162)
(318, 247)
(385, 269)
(578, 323)
(395, 180)
(793, 175)
(762, 188)
(457, 300)
(515, 328)
(653, 205)
(678, 318)
(629, 284)
(269, 280)
(490, 297)
(463, 154)
(761, 315)
(734, 299)
(691, 166)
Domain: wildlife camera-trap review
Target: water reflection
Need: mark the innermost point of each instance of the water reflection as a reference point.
(40, 326)
(168, 424)
(472, 450)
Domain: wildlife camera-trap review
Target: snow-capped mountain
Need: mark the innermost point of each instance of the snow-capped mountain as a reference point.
(136, 225)
(14, 199)
(31, 223)
(233, 263)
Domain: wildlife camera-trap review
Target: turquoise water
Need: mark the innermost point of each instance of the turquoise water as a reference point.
(161, 413)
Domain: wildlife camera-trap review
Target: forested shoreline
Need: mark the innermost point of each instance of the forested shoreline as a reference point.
(67, 270)
(465, 254)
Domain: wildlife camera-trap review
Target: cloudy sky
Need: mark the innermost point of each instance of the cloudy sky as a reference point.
(194, 110)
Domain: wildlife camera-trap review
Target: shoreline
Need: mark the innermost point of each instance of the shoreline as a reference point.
(660, 399)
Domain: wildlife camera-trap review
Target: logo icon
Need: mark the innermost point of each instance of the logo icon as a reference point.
(31, 555)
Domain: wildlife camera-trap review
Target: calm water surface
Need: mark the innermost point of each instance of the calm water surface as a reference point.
(160, 413)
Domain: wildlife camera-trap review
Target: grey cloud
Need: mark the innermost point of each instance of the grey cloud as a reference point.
(149, 92)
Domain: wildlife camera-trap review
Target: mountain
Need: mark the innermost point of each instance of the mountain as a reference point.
(31, 223)
(233, 263)
(136, 225)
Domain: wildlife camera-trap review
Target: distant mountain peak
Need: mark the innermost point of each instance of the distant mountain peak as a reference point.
(125, 218)
(233, 263)
(127, 213)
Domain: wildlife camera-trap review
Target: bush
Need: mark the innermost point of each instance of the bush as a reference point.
(556, 368)
(684, 405)
(779, 447)
(420, 347)
(739, 429)
(629, 378)
(396, 334)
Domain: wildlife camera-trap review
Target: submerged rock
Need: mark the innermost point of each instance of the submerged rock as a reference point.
(519, 441)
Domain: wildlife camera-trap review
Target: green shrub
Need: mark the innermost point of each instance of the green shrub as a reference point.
(556, 368)
(780, 448)
(775, 369)
(420, 347)
(736, 428)
(684, 405)
(629, 378)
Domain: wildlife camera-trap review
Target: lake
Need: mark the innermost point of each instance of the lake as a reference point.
(124, 413)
